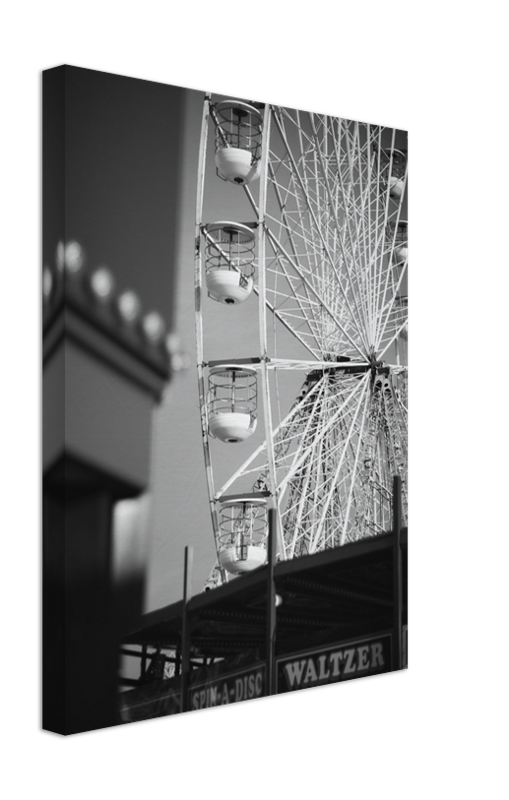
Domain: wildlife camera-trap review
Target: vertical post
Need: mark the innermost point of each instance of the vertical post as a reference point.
(271, 605)
(202, 159)
(397, 575)
(184, 675)
(143, 662)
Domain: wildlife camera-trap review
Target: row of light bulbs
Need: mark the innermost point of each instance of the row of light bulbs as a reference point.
(70, 258)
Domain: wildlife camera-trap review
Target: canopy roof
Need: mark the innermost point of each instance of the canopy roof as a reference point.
(327, 597)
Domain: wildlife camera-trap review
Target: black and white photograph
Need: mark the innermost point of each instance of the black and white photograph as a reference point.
(225, 337)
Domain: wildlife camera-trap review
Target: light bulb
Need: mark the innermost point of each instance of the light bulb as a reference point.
(102, 284)
(59, 256)
(153, 327)
(173, 343)
(178, 359)
(47, 283)
(74, 257)
(129, 307)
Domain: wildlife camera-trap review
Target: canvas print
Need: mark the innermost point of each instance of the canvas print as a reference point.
(225, 409)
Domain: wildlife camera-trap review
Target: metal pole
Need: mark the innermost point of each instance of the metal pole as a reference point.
(143, 661)
(270, 641)
(397, 574)
(184, 675)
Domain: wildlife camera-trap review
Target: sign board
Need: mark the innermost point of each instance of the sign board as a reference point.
(339, 662)
(315, 667)
(233, 687)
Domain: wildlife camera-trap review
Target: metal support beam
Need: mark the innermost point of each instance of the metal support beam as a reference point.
(143, 664)
(184, 676)
(270, 687)
(397, 575)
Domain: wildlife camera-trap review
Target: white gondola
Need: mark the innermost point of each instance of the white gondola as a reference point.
(397, 186)
(229, 267)
(231, 402)
(393, 172)
(400, 251)
(243, 534)
(238, 141)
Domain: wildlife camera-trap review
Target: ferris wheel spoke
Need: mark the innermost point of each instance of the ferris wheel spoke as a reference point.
(395, 283)
(353, 238)
(307, 306)
(315, 226)
(364, 237)
(354, 475)
(301, 336)
(310, 308)
(354, 212)
(395, 330)
(324, 429)
(332, 206)
(384, 262)
(278, 247)
(336, 475)
(301, 314)
(360, 214)
(368, 224)
(313, 490)
(307, 414)
(377, 243)
(278, 434)
(394, 310)
(282, 317)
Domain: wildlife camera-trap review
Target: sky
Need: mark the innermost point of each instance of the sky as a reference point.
(131, 210)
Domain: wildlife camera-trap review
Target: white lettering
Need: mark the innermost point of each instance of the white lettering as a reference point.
(335, 658)
(224, 695)
(294, 672)
(323, 675)
(238, 690)
(350, 664)
(362, 657)
(331, 666)
(310, 672)
(258, 684)
(377, 658)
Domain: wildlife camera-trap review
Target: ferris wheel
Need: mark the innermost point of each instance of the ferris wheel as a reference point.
(319, 243)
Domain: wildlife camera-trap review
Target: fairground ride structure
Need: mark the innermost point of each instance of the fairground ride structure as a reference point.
(321, 240)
